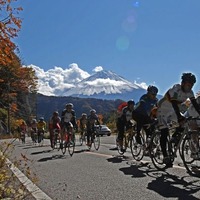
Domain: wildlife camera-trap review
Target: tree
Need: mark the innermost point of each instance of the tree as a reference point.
(10, 25)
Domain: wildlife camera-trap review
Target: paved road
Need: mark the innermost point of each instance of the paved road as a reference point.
(104, 175)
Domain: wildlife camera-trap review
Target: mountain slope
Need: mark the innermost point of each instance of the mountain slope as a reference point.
(106, 85)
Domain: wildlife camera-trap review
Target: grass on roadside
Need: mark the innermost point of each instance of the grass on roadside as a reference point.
(10, 186)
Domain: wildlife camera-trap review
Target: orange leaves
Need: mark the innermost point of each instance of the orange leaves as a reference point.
(10, 25)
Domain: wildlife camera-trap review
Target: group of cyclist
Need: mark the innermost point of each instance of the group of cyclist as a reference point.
(35, 128)
(67, 121)
(167, 109)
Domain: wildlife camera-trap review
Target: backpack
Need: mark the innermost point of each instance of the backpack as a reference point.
(120, 108)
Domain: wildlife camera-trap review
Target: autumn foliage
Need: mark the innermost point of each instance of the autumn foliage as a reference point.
(15, 79)
(10, 25)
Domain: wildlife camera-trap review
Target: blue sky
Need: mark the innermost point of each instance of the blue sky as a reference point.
(151, 41)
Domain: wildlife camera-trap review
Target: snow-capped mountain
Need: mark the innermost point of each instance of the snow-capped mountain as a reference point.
(75, 82)
(106, 85)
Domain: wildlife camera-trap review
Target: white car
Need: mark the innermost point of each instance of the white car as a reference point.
(104, 130)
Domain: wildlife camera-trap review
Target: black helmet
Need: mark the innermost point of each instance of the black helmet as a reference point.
(131, 101)
(152, 89)
(188, 77)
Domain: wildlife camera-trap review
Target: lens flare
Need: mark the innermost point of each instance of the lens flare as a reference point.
(122, 43)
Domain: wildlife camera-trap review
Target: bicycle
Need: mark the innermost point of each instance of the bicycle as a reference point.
(22, 136)
(40, 136)
(128, 140)
(56, 139)
(69, 142)
(191, 143)
(139, 150)
(172, 148)
(83, 137)
(93, 139)
(34, 136)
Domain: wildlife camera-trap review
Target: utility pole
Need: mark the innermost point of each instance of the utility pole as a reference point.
(8, 110)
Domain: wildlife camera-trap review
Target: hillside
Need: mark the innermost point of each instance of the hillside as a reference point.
(46, 105)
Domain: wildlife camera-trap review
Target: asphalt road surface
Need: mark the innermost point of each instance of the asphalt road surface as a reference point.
(103, 174)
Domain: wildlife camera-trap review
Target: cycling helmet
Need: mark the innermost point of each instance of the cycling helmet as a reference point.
(55, 113)
(41, 118)
(92, 111)
(69, 105)
(188, 77)
(84, 114)
(34, 120)
(152, 89)
(131, 102)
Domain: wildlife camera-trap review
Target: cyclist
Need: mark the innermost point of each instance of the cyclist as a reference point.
(54, 123)
(92, 120)
(22, 131)
(33, 130)
(194, 126)
(168, 109)
(41, 127)
(68, 120)
(124, 121)
(142, 111)
(83, 123)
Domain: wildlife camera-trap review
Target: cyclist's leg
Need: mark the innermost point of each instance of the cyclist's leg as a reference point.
(89, 133)
(163, 144)
(51, 137)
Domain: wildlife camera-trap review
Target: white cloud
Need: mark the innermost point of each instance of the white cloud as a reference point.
(142, 84)
(98, 69)
(58, 80)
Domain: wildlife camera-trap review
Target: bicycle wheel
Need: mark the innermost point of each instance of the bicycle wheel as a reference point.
(81, 138)
(192, 165)
(71, 144)
(156, 152)
(137, 150)
(63, 147)
(96, 141)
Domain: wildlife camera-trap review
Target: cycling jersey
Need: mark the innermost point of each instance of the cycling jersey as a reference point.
(91, 120)
(166, 112)
(145, 105)
(83, 122)
(191, 111)
(54, 122)
(67, 117)
(41, 125)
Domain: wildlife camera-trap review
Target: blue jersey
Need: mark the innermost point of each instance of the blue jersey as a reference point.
(145, 105)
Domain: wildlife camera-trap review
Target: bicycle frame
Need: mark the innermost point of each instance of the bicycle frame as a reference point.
(155, 148)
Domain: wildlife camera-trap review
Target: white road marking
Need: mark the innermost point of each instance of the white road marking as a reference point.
(35, 191)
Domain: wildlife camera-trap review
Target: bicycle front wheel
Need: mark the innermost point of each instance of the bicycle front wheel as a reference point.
(71, 144)
(96, 141)
(155, 152)
(137, 150)
(191, 163)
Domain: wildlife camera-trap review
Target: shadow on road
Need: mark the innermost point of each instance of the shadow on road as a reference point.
(163, 183)
(41, 152)
(118, 159)
(54, 157)
(168, 186)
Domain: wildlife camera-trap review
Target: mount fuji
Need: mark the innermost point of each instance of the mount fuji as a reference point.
(106, 85)
(75, 82)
